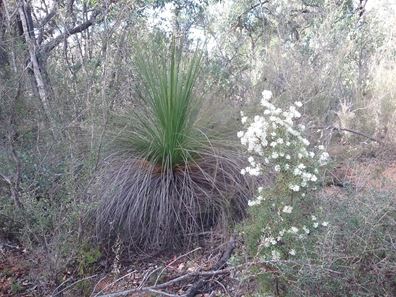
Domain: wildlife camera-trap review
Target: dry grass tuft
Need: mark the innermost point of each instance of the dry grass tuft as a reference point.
(152, 207)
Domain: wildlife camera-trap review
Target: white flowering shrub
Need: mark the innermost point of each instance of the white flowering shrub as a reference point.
(281, 213)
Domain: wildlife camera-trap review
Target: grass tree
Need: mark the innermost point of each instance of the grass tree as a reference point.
(173, 171)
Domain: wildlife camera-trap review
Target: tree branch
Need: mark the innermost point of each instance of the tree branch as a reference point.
(50, 45)
(45, 21)
(332, 128)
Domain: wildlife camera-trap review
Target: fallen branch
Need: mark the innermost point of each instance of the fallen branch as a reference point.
(333, 128)
(195, 289)
(217, 269)
(269, 266)
(58, 293)
(168, 283)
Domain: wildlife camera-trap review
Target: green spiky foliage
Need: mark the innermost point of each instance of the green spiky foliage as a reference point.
(165, 134)
(169, 177)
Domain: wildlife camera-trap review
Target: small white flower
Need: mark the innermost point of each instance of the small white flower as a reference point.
(306, 230)
(243, 120)
(293, 230)
(253, 202)
(294, 188)
(287, 209)
(267, 95)
(274, 155)
(277, 168)
(240, 134)
(324, 158)
(292, 252)
(313, 218)
(243, 171)
(298, 103)
(316, 225)
(275, 255)
(260, 189)
(287, 157)
(325, 224)
(297, 171)
(254, 171)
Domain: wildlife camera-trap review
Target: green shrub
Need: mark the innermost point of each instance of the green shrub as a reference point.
(355, 256)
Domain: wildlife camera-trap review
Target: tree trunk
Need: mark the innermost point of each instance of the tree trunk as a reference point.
(4, 60)
(37, 65)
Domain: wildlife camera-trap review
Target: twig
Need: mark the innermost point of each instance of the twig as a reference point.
(187, 276)
(333, 128)
(161, 293)
(216, 270)
(173, 261)
(168, 283)
(218, 266)
(268, 265)
(71, 285)
(111, 284)
(96, 285)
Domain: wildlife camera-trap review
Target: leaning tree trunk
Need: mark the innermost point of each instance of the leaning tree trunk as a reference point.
(37, 66)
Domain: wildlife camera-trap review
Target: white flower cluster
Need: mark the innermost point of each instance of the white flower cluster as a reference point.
(275, 139)
(274, 242)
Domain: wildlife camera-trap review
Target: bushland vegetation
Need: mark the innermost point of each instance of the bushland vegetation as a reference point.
(197, 148)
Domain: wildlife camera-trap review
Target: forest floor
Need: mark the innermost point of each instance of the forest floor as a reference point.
(363, 169)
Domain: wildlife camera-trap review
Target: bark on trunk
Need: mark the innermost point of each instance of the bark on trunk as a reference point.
(37, 66)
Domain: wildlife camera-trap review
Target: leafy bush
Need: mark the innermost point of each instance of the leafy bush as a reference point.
(354, 257)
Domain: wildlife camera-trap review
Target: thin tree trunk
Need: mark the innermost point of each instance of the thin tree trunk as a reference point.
(37, 66)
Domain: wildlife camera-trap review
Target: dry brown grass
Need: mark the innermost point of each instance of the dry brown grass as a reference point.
(152, 208)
